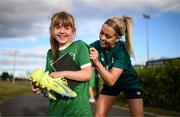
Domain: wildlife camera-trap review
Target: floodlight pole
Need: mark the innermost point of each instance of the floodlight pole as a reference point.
(14, 66)
(147, 17)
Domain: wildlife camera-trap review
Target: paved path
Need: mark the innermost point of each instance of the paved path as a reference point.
(36, 105)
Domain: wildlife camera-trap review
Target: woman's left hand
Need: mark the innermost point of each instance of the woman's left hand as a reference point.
(94, 56)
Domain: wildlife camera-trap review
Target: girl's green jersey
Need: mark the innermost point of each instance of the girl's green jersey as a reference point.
(79, 106)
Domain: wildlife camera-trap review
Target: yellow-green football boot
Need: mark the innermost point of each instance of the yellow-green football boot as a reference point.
(57, 85)
(36, 76)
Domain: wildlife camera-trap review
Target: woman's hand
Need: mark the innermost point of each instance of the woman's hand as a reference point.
(94, 56)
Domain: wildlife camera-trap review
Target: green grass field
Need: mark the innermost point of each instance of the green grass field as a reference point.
(9, 90)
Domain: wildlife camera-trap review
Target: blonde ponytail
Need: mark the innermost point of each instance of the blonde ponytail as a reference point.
(128, 35)
(123, 26)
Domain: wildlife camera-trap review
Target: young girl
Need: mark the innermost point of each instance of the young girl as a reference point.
(115, 68)
(62, 33)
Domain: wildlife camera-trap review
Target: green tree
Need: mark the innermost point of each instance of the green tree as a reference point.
(4, 76)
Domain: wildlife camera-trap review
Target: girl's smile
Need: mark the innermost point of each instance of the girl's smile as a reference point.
(64, 35)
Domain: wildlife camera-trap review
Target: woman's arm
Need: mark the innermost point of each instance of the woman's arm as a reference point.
(82, 75)
(110, 77)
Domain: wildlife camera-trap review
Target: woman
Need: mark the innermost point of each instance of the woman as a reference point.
(111, 57)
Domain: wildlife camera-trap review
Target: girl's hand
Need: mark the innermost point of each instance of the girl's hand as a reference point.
(57, 74)
(34, 88)
(94, 56)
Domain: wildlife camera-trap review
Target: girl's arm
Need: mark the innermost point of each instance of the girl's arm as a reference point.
(82, 75)
(111, 76)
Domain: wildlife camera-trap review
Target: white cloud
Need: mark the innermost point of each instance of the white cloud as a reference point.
(140, 60)
(134, 5)
(39, 52)
(89, 31)
(22, 60)
(167, 5)
(28, 20)
(22, 18)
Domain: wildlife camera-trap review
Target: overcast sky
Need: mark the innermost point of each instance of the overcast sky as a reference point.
(24, 34)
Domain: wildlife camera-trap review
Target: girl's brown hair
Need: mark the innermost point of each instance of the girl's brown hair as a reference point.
(64, 19)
